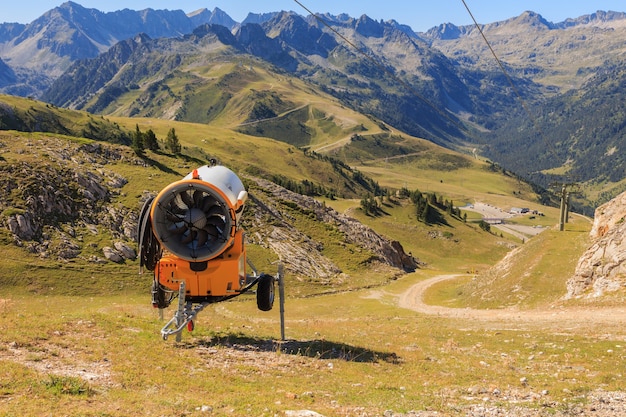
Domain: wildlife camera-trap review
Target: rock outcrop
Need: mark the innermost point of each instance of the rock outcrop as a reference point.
(602, 268)
(303, 256)
(48, 203)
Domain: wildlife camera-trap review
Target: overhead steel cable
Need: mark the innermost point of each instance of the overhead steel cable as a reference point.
(386, 70)
(504, 71)
(564, 185)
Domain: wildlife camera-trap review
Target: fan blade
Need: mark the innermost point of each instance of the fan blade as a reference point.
(211, 230)
(214, 210)
(179, 203)
(174, 218)
(217, 222)
(203, 237)
(197, 198)
(187, 199)
(189, 237)
(207, 202)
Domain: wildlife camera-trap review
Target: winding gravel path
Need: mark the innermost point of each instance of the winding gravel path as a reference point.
(565, 318)
(599, 320)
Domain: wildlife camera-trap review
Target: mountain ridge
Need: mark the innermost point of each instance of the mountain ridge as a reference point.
(91, 32)
(528, 19)
(449, 91)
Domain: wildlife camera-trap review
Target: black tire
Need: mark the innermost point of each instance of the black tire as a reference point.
(265, 292)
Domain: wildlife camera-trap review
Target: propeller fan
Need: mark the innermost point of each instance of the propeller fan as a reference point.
(192, 220)
(197, 216)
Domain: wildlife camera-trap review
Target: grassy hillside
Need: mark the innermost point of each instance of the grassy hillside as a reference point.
(17, 113)
(245, 96)
(389, 159)
(533, 275)
(80, 337)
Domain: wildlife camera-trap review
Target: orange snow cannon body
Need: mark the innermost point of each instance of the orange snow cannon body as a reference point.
(190, 236)
(196, 220)
(218, 278)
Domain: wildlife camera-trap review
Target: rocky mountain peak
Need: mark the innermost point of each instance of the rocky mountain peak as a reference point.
(70, 32)
(294, 30)
(285, 21)
(366, 26)
(445, 31)
(69, 7)
(253, 39)
(527, 22)
(257, 18)
(600, 17)
(217, 17)
(220, 32)
(532, 19)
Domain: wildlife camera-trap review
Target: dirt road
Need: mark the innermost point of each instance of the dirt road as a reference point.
(612, 319)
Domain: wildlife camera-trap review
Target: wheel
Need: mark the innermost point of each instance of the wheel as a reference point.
(265, 292)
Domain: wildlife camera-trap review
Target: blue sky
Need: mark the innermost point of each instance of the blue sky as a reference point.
(419, 14)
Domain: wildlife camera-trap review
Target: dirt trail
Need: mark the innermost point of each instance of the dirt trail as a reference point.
(563, 318)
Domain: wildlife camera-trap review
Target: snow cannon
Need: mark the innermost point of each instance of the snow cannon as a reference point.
(190, 236)
(196, 219)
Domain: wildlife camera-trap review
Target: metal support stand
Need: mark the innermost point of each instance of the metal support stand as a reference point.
(185, 314)
(281, 300)
(179, 316)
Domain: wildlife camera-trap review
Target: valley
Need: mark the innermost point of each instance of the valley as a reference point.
(411, 288)
(81, 337)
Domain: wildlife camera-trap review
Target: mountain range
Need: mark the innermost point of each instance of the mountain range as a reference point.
(549, 108)
(379, 164)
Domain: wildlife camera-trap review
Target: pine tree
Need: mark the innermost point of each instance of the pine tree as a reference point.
(425, 212)
(138, 142)
(150, 140)
(172, 143)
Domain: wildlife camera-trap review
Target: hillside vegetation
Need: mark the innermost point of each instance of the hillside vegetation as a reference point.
(79, 336)
(123, 179)
(401, 299)
(34, 116)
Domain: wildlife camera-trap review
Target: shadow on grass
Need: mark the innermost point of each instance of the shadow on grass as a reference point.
(159, 165)
(319, 349)
(164, 168)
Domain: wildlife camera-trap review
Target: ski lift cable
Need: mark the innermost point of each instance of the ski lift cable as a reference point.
(517, 93)
(386, 70)
(504, 71)
(564, 185)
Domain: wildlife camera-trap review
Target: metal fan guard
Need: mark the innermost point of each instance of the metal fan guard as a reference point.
(183, 238)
